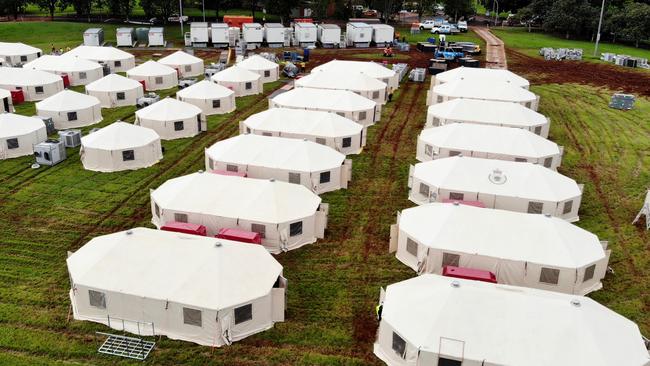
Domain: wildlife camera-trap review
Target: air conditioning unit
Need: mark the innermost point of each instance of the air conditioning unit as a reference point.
(49, 152)
(70, 138)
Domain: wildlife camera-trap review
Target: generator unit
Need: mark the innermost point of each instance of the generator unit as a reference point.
(200, 33)
(70, 138)
(156, 37)
(49, 152)
(125, 37)
(253, 34)
(305, 34)
(94, 37)
(274, 34)
(329, 35)
(220, 35)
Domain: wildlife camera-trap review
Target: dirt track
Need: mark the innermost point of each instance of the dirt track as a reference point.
(496, 55)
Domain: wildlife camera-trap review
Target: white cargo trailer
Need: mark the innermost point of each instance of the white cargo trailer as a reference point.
(253, 34)
(219, 34)
(125, 37)
(156, 37)
(305, 34)
(274, 34)
(94, 37)
(358, 34)
(200, 34)
(329, 35)
(382, 34)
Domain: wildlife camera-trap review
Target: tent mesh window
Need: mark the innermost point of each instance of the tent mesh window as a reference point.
(456, 196)
(82, 75)
(324, 177)
(267, 73)
(454, 153)
(529, 104)
(267, 134)
(211, 164)
(23, 58)
(411, 247)
(120, 96)
(520, 160)
(435, 122)
(249, 85)
(12, 143)
(448, 362)
(216, 103)
(424, 189)
(375, 94)
(428, 150)
(295, 228)
(550, 276)
(159, 80)
(38, 89)
(118, 63)
(179, 126)
(347, 141)
(243, 313)
(192, 317)
(439, 98)
(97, 299)
(535, 207)
(320, 140)
(180, 217)
(589, 273)
(156, 209)
(232, 168)
(362, 115)
(399, 345)
(260, 229)
(450, 259)
(568, 206)
(128, 155)
(294, 178)
(188, 68)
(72, 116)
(538, 130)
(341, 114)
(547, 162)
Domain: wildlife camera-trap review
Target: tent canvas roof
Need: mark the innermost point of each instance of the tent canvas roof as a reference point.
(62, 64)
(329, 99)
(490, 75)
(99, 53)
(507, 325)
(372, 69)
(67, 100)
(113, 82)
(17, 49)
(180, 58)
(487, 111)
(12, 125)
(491, 139)
(205, 89)
(119, 136)
(502, 234)
(345, 80)
(258, 200)
(257, 63)
(276, 152)
(235, 74)
(203, 275)
(20, 76)
(300, 121)
(484, 89)
(523, 180)
(169, 109)
(151, 68)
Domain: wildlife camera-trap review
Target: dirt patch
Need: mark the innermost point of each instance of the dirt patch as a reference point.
(415, 57)
(540, 71)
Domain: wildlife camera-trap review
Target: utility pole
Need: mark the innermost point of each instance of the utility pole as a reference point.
(600, 23)
(180, 17)
(496, 13)
(203, 4)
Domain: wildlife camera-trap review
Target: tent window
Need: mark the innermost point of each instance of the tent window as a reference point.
(568, 206)
(260, 229)
(548, 161)
(23, 58)
(118, 63)
(341, 114)
(424, 189)
(295, 228)
(249, 85)
(120, 96)
(82, 75)
(529, 104)
(156, 209)
(589, 273)
(520, 160)
(232, 168)
(362, 115)
(192, 317)
(267, 134)
(454, 153)
(38, 89)
(211, 164)
(159, 80)
(243, 313)
(399, 345)
(180, 217)
(97, 299)
(294, 178)
(411, 247)
(72, 116)
(347, 141)
(535, 207)
(267, 73)
(324, 177)
(188, 68)
(447, 362)
(248, 130)
(439, 98)
(128, 155)
(449, 259)
(375, 94)
(320, 140)
(549, 275)
(216, 103)
(435, 122)
(456, 196)
(179, 126)
(428, 150)
(538, 130)
(12, 143)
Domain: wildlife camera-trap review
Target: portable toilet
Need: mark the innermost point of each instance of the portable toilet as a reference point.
(274, 34)
(329, 35)
(125, 37)
(382, 34)
(253, 34)
(200, 34)
(358, 34)
(305, 34)
(156, 37)
(94, 37)
(219, 34)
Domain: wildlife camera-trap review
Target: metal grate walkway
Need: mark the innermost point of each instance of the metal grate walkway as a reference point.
(118, 345)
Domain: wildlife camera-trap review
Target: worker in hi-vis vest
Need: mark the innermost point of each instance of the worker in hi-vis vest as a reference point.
(378, 310)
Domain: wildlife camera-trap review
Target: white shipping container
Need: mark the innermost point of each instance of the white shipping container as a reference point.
(382, 34)
(125, 37)
(200, 33)
(305, 33)
(253, 33)
(156, 37)
(219, 34)
(94, 37)
(329, 35)
(274, 34)
(358, 34)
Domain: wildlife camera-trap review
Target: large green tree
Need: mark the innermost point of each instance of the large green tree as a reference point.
(632, 22)
(50, 6)
(571, 18)
(458, 8)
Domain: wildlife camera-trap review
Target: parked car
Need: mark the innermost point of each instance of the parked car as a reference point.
(176, 18)
(427, 24)
(462, 26)
(448, 54)
(445, 29)
(370, 13)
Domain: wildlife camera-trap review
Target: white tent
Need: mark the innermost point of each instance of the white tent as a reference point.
(120, 146)
(19, 134)
(342, 134)
(156, 76)
(287, 216)
(115, 90)
(16, 54)
(317, 167)
(342, 102)
(474, 73)
(489, 113)
(489, 142)
(353, 81)
(436, 320)
(370, 68)
(644, 211)
(268, 70)
(116, 59)
(216, 294)
(186, 64)
(70, 109)
(35, 84)
(538, 251)
(79, 71)
(240, 80)
(507, 185)
(6, 102)
(212, 98)
(172, 119)
(482, 90)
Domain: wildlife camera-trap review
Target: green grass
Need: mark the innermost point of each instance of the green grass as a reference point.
(423, 35)
(529, 43)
